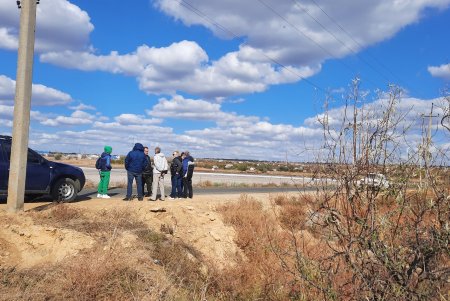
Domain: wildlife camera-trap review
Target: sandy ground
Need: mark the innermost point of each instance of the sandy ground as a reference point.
(24, 243)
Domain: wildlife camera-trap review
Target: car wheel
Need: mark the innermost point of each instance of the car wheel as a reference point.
(64, 190)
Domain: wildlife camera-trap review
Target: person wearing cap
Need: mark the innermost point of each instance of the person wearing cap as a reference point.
(105, 173)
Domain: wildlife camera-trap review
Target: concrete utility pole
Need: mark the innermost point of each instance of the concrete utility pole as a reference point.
(428, 142)
(22, 105)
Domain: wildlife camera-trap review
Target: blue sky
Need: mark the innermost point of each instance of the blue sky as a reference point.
(234, 79)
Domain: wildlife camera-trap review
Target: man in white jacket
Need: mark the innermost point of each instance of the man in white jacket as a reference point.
(160, 169)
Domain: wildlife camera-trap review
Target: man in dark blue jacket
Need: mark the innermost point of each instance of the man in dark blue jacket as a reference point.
(188, 170)
(135, 163)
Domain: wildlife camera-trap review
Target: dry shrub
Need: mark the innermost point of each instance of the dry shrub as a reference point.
(259, 275)
(294, 212)
(103, 276)
(390, 246)
(122, 218)
(95, 275)
(247, 217)
(182, 263)
(206, 183)
(102, 223)
(63, 212)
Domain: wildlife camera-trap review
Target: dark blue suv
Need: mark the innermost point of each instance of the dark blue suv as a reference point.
(61, 181)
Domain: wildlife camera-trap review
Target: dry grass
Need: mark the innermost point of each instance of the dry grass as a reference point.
(104, 222)
(94, 275)
(263, 273)
(92, 184)
(283, 256)
(151, 267)
(209, 184)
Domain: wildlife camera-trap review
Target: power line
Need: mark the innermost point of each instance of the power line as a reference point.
(354, 40)
(316, 43)
(296, 2)
(305, 35)
(192, 8)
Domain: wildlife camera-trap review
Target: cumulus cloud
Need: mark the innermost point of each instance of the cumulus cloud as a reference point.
(76, 118)
(185, 66)
(176, 59)
(82, 107)
(290, 31)
(180, 108)
(442, 71)
(6, 112)
(232, 135)
(285, 42)
(61, 25)
(409, 109)
(41, 95)
(197, 109)
(128, 119)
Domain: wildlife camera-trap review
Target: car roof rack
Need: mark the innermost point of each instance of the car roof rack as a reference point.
(5, 137)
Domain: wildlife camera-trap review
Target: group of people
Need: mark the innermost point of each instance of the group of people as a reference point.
(144, 172)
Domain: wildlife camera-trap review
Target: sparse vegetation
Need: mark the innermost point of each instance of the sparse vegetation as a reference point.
(345, 243)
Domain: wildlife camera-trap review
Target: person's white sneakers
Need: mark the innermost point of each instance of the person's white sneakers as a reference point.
(99, 195)
(105, 196)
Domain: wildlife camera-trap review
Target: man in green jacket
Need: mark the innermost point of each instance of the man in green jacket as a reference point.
(104, 168)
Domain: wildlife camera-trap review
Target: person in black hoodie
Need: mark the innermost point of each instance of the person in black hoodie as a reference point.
(175, 175)
(188, 170)
(147, 174)
(135, 163)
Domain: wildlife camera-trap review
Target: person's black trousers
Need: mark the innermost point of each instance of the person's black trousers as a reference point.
(147, 179)
(187, 187)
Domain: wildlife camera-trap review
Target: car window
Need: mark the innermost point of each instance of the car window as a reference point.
(7, 150)
(33, 157)
(1, 152)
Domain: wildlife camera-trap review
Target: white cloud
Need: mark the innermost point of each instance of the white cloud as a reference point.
(409, 111)
(82, 107)
(196, 109)
(232, 136)
(442, 71)
(6, 112)
(184, 66)
(177, 59)
(41, 95)
(128, 119)
(285, 30)
(7, 39)
(76, 118)
(290, 36)
(180, 108)
(60, 25)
